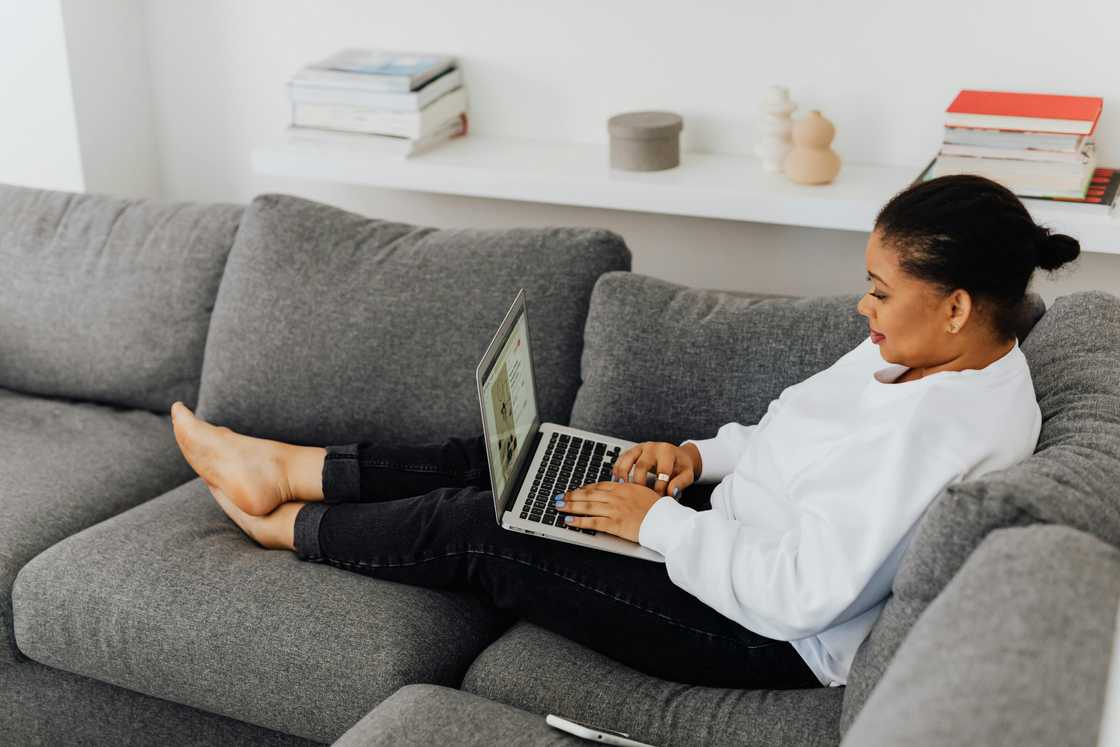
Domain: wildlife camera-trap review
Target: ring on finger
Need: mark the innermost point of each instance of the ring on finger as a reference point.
(663, 477)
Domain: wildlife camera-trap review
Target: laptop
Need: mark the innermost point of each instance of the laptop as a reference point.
(530, 461)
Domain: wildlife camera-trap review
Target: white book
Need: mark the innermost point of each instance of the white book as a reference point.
(1013, 139)
(388, 146)
(349, 118)
(1026, 178)
(1027, 154)
(392, 70)
(311, 90)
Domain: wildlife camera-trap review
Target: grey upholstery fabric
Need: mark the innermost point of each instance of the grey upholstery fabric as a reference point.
(66, 465)
(542, 672)
(1014, 652)
(331, 327)
(423, 715)
(44, 706)
(107, 299)
(1074, 356)
(665, 362)
(172, 599)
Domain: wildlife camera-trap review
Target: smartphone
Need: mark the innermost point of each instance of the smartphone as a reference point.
(594, 733)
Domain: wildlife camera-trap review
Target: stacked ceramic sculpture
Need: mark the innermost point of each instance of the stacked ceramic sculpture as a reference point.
(802, 149)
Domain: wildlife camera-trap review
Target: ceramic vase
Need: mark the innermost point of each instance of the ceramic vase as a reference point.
(774, 128)
(812, 160)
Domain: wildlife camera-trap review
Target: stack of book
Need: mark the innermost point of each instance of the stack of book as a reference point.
(399, 103)
(1036, 145)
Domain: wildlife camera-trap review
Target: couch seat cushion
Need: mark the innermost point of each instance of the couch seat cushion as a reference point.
(66, 465)
(1074, 356)
(173, 600)
(331, 327)
(42, 706)
(108, 299)
(1015, 651)
(542, 672)
(424, 715)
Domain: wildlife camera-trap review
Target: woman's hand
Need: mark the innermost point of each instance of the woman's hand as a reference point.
(617, 508)
(680, 463)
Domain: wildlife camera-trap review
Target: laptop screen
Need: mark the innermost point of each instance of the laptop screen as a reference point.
(508, 404)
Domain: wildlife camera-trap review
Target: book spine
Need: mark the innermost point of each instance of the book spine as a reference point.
(348, 91)
(348, 118)
(1045, 156)
(1019, 124)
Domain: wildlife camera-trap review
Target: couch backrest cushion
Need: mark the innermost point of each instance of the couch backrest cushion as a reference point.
(108, 299)
(331, 327)
(665, 362)
(1074, 356)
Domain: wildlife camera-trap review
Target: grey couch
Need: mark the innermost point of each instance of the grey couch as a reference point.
(135, 612)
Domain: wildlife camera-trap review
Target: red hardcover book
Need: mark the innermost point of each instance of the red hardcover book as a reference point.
(1038, 112)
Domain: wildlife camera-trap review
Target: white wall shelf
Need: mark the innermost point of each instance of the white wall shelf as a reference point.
(731, 187)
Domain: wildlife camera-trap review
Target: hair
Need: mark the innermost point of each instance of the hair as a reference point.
(966, 231)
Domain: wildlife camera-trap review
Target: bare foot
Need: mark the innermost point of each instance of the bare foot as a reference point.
(251, 472)
(273, 532)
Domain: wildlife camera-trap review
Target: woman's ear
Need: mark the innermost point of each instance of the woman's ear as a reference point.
(959, 310)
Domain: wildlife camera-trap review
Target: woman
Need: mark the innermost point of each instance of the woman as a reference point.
(775, 578)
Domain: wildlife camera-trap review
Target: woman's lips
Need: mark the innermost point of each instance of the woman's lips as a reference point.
(876, 338)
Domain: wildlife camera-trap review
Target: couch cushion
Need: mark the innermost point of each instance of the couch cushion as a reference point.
(40, 705)
(542, 672)
(66, 465)
(1014, 651)
(107, 299)
(173, 600)
(704, 357)
(331, 327)
(1074, 355)
(424, 715)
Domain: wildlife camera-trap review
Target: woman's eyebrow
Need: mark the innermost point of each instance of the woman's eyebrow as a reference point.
(884, 282)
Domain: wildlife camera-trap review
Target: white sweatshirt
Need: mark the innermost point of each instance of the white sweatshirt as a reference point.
(817, 502)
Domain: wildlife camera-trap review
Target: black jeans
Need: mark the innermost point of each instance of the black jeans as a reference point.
(444, 535)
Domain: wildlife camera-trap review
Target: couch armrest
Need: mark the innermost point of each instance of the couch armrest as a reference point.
(1014, 651)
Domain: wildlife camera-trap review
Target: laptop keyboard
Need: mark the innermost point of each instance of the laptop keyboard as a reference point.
(569, 462)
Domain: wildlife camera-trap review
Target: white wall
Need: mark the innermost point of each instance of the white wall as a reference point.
(883, 72)
(38, 129)
(77, 108)
(112, 96)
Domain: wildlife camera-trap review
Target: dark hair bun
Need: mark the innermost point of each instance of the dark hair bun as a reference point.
(1055, 249)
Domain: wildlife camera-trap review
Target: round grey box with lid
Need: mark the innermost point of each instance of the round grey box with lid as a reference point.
(645, 141)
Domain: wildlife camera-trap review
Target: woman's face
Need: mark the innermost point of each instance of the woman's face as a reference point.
(909, 314)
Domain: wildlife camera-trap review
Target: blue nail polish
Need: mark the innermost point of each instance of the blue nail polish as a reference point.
(567, 519)
(676, 492)
(558, 497)
(560, 504)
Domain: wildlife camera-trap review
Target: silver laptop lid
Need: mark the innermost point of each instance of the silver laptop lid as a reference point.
(507, 395)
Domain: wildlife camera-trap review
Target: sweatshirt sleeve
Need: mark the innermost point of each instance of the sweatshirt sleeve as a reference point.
(720, 453)
(793, 578)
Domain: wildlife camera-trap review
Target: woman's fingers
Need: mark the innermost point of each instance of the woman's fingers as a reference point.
(647, 460)
(621, 468)
(591, 500)
(589, 508)
(680, 481)
(666, 460)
